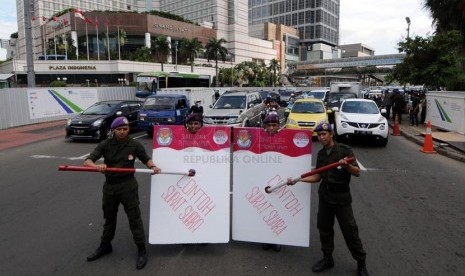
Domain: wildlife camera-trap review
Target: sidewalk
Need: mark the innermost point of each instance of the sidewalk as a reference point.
(18, 136)
(447, 143)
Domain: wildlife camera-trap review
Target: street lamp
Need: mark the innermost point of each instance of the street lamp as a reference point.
(408, 26)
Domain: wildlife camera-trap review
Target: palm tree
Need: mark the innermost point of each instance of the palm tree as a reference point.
(161, 47)
(190, 48)
(216, 51)
(274, 66)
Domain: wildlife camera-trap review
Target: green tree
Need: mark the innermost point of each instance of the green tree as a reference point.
(216, 51)
(447, 15)
(141, 54)
(189, 50)
(274, 67)
(252, 74)
(434, 61)
(227, 76)
(161, 49)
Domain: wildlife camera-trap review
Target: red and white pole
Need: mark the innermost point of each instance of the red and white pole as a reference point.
(269, 189)
(191, 172)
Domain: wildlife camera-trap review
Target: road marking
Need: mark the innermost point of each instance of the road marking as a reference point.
(38, 156)
(82, 157)
(140, 136)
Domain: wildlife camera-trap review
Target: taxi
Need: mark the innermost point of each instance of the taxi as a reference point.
(306, 113)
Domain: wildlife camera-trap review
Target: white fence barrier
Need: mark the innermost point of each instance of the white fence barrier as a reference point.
(15, 103)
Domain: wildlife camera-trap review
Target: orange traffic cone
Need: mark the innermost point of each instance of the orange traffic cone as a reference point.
(428, 144)
(396, 128)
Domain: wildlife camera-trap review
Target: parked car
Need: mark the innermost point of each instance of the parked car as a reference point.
(236, 108)
(94, 122)
(306, 113)
(361, 118)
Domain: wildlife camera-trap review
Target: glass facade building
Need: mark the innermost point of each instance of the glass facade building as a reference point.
(317, 21)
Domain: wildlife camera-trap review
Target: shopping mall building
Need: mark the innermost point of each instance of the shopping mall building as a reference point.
(100, 57)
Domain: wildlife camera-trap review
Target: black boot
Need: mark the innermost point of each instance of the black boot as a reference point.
(325, 263)
(362, 268)
(103, 249)
(141, 256)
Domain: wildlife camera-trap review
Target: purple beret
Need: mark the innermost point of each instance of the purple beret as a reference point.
(323, 126)
(119, 121)
(271, 118)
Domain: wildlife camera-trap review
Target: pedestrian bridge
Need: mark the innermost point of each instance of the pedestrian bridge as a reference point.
(381, 60)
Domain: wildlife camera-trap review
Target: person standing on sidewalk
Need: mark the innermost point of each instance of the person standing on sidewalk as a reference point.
(398, 105)
(335, 200)
(120, 152)
(387, 102)
(414, 109)
(422, 107)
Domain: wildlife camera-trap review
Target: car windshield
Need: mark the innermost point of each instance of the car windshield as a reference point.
(335, 99)
(100, 109)
(159, 103)
(286, 93)
(230, 102)
(316, 95)
(360, 107)
(263, 94)
(308, 107)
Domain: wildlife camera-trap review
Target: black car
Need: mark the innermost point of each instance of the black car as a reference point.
(94, 122)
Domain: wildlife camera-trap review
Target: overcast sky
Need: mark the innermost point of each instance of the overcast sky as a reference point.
(381, 24)
(377, 23)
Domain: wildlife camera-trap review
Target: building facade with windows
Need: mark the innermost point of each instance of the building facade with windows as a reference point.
(228, 18)
(317, 21)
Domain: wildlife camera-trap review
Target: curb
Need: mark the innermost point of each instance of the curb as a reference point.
(440, 150)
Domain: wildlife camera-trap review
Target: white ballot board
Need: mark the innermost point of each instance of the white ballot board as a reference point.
(261, 160)
(187, 209)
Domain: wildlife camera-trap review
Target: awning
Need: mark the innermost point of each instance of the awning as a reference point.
(4, 77)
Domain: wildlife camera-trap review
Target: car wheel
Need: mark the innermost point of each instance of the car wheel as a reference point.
(106, 133)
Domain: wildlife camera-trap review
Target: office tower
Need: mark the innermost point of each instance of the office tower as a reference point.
(317, 21)
(230, 19)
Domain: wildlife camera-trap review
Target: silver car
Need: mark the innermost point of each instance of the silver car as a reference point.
(236, 108)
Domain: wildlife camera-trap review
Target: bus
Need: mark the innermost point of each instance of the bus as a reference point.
(149, 82)
(53, 57)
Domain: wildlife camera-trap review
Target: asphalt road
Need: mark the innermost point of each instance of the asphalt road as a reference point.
(409, 206)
